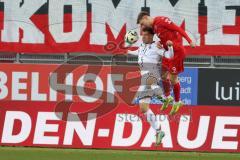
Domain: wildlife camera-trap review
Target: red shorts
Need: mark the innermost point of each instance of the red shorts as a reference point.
(174, 66)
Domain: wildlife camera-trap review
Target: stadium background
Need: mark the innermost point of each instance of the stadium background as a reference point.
(210, 121)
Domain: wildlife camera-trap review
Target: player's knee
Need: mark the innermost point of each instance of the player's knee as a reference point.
(144, 108)
(174, 79)
(151, 80)
(144, 104)
(164, 77)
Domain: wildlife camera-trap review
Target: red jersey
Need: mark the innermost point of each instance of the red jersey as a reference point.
(167, 30)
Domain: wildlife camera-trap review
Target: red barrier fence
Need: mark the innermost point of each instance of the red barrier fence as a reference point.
(45, 124)
(89, 107)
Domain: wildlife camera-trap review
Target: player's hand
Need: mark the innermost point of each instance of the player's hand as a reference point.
(192, 44)
(169, 43)
(159, 45)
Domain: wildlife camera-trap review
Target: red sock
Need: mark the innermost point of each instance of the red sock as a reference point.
(176, 91)
(166, 87)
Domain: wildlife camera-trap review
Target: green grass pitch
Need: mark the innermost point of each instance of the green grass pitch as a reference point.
(23, 153)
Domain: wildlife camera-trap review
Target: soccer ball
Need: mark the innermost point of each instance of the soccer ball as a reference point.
(131, 37)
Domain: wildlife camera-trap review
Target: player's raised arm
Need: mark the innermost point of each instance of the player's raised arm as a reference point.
(160, 52)
(167, 54)
(159, 49)
(170, 25)
(170, 53)
(167, 23)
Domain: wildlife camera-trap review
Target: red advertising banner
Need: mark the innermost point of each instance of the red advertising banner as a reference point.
(199, 128)
(41, 26)
(75, 106)
(78, 83)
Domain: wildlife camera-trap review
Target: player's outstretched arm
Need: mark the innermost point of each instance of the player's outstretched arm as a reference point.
(167, 54)
(159, 49)
(170, 52)
(170, 25)
(181, 31)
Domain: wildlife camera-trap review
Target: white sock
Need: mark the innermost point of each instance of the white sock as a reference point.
(152, 119)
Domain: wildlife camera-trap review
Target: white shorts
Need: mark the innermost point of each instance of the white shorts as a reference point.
(147, 73)
(150, 71)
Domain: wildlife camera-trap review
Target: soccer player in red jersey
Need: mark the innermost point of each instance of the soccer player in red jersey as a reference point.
(166, 30)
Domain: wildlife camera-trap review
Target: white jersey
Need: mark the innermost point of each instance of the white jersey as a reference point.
(148, 60)
(149, 54)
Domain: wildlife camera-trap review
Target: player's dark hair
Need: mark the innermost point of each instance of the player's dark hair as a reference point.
(141, 15)
(148, 29)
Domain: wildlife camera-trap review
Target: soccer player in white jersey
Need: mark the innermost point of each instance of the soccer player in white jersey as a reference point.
(148, 59)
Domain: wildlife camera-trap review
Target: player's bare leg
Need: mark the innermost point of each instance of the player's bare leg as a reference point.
(167, 99)
(151, 118)
(176, 90)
